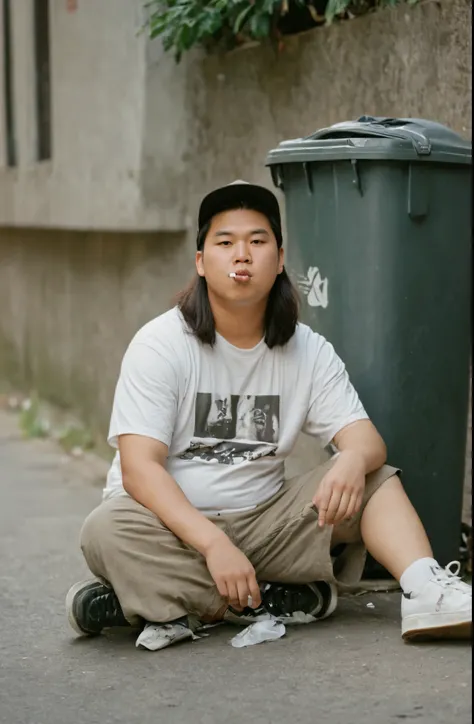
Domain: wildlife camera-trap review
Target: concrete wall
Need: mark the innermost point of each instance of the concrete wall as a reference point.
(98, 86)
(137, 141)
(136, 138)
(70, 302)
(400, 62)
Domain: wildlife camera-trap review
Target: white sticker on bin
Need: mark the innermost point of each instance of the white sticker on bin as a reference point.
(314, 287)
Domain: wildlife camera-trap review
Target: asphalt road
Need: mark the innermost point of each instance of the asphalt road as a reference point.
(351, 668)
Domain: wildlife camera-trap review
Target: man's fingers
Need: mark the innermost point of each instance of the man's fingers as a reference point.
(342, 508)
(321, 501)
(359, 501)
(332, 508)
(322, 512)
(233, 595)
(322, 494)
(243, 592)
(222, 588)
(353, 506)
(254, 592)
(326, 509)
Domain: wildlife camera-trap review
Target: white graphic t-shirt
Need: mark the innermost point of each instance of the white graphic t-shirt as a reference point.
(229, 416)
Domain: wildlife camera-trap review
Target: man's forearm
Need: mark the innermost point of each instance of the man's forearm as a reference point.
(152, 486)
(362, 438)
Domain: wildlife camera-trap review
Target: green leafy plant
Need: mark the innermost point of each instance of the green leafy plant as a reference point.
(227, 24)
(32, 423)
(351, 8)
(216, 23)
(75, 438)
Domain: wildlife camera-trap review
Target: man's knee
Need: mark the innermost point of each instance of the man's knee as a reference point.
(389, 484)
(96, 534)
(348, 531)
(380, 480)
(394, 481)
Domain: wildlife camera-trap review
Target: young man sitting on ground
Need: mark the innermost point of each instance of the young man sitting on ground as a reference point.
(198, 523)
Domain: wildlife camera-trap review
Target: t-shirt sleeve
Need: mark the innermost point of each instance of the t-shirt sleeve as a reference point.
(334, 403)
(146, 395)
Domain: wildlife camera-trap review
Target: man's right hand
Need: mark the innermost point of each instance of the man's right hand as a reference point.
(233, 574)
(146, 479)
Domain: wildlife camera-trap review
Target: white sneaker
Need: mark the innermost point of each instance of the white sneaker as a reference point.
(442, 609)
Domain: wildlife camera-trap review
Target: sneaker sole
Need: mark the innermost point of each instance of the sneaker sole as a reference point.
(333, 605)
(230, 617)
(419, 629)
(71, 594)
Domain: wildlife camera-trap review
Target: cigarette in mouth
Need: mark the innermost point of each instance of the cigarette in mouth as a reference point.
(232, 275)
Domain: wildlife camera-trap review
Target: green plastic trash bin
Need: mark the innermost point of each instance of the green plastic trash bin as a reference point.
(379, 242)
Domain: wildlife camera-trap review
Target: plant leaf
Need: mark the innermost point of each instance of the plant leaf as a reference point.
(241, 18)
(260, 26)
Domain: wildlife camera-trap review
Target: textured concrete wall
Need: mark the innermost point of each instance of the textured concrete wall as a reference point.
(400, 62)
(70, 303)
(99, 81)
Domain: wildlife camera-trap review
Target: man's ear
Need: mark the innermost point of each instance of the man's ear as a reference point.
(199, 263)
(281, 260)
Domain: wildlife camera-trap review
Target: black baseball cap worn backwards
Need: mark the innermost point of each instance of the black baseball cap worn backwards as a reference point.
(240, 193)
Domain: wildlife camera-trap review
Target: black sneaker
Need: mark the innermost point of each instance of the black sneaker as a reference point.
(92, 607)
(290, 603)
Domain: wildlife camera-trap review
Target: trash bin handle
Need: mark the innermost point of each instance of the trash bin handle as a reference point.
(379, 128)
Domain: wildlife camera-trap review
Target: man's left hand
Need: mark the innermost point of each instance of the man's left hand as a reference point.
(340, 492)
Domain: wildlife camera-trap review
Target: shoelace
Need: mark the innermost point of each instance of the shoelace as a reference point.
(449, 576)
(284, 600)
(106, 604)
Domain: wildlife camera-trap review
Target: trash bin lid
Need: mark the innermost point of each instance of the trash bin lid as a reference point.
(397, 139)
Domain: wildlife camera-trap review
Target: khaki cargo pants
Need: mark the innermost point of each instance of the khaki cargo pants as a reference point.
(159, 578)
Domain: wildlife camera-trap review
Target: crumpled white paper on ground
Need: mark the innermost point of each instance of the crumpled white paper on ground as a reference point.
(267, 629)
(159, 636)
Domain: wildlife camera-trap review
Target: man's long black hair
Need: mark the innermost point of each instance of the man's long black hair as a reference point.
(281, 315)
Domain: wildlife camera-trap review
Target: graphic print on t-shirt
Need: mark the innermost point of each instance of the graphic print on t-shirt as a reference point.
(249, 425)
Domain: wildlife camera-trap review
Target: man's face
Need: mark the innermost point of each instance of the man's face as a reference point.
(240, 242)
